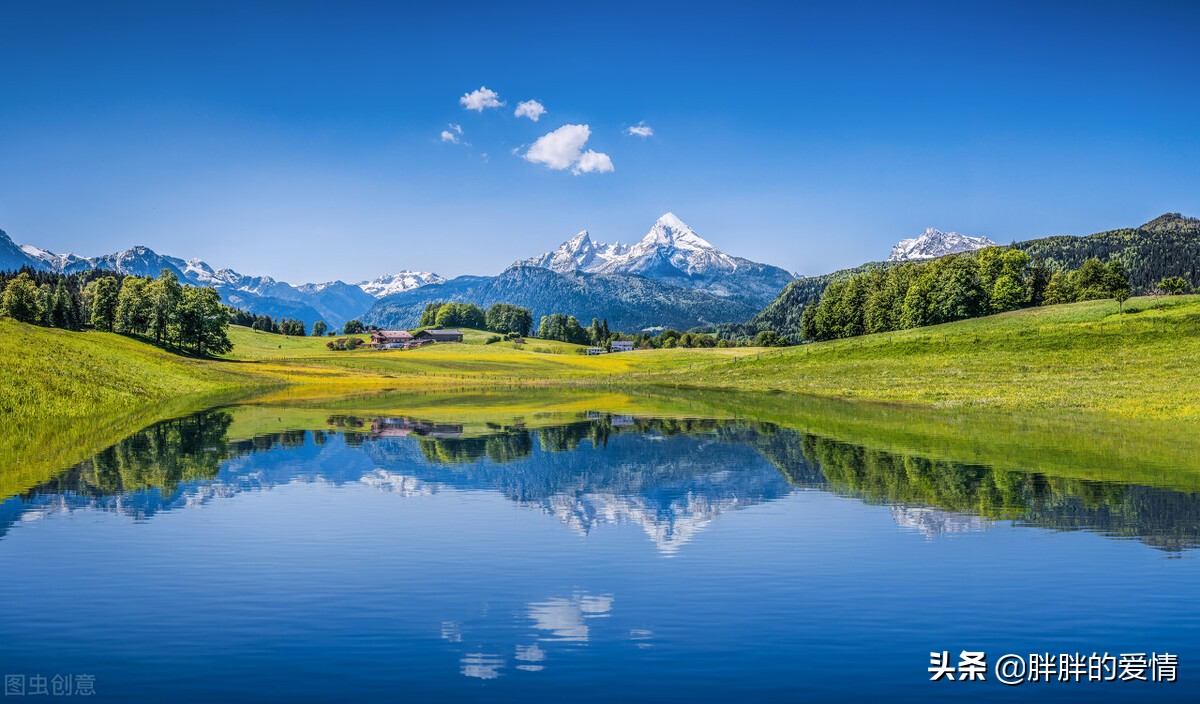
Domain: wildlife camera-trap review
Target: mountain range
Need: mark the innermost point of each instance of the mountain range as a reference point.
(671, 278)
(335, 302)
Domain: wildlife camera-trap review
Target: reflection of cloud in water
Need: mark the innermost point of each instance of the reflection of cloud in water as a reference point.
(482, 665)
(565, 618)
(528, 655)
(451, 631)
(640, 636)
(932, 522)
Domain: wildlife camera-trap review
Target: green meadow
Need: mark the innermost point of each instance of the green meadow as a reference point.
(1083, 357)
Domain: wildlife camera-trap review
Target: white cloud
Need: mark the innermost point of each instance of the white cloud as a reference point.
(563, 149)
(452, 135)
(641, 129)
(531, 109)
(482, 98)
(592, 162)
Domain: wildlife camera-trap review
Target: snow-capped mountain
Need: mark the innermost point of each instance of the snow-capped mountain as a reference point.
(579, 253)
(400, 281)
(934, 243)
(671, 252)
(335, 302)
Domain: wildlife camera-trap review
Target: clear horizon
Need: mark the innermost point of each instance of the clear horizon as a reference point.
(312, 143)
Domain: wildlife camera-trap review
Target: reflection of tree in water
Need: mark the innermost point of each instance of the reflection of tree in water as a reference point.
(166, 455)
(667, 483)
(1165, 519)
(161, 456)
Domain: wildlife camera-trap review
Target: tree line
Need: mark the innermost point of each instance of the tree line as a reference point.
(503, 318)
(187, 318)
(955, 287)
(282, 326)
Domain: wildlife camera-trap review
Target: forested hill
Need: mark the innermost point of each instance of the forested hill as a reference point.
(1168, 245)
(783, 314)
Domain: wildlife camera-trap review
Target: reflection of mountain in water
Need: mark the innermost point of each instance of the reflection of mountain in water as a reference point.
(670, 477)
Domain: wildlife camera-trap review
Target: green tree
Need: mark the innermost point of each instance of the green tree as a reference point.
(22, 300)
(203, 323)
(429, 315)
(1008, 293)
(1039, 280)
(460, 315)
(319, 328)
(62, 307)
(1117, 283)
(508, 318)
(165, 295)
(1173, 285)
(1091, 281)
(104, 303)
(1061, 289)
(353, 327)
(767, 338)
(133, 306)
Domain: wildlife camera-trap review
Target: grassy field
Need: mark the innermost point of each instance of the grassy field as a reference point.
(1080, 357)
(50, 374)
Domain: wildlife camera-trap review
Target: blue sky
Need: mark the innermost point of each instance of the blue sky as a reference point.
(303, 140)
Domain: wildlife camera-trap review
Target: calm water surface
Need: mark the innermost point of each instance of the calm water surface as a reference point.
(582, 558)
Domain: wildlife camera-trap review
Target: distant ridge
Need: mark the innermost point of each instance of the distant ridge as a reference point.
(335, 302)
(934, 243)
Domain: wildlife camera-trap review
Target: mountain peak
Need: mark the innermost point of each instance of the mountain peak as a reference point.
(933, 243)
(672, 221)
(669, 230)
(1171, 222)
(400, 281)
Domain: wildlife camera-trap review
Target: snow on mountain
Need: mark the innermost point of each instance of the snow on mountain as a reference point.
(671, 252)
(670, 242)
(50, 259)
(579, 253)
(934, 243)
(398, 282)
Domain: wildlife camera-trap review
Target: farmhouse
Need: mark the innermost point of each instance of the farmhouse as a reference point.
(622, 345)
(440, 335)
(596, 350)
(390, 339)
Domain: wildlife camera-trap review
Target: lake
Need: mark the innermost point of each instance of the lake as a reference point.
(599, 551)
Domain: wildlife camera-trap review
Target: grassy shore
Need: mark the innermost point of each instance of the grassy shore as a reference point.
(1075, 391)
